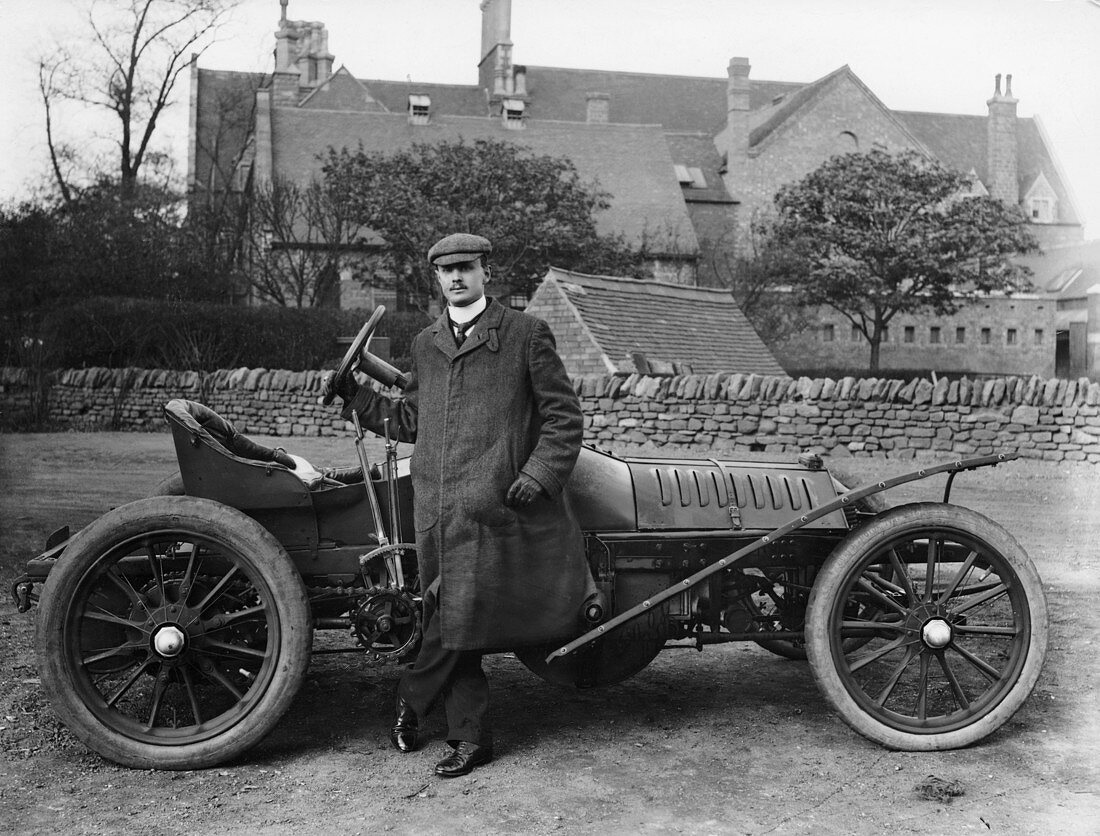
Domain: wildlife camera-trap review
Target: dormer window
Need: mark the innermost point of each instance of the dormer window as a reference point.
(420, 109)
(1041, 210)
(1041, 201)
(691, 177)
(512, 113)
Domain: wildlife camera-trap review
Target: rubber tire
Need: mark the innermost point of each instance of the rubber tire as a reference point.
(852, 551)
(874, 504)
(170, 486)
(257, 547)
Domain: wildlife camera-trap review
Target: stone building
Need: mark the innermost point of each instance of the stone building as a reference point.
(688, 160)
(612, 325)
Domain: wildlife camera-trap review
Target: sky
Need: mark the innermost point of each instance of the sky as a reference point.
(925, 55)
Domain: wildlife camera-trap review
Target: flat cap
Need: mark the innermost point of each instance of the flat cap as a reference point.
(461, 246)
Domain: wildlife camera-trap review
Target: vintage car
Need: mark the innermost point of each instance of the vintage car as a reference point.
(173, 632)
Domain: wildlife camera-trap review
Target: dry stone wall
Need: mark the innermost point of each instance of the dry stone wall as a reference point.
(1053, 419)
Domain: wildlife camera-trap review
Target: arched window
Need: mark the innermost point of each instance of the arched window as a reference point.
(847, 142)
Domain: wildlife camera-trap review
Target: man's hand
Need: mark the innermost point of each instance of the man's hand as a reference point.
(347, 389)
(523, 492)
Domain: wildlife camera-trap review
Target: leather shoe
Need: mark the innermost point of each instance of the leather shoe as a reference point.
(463, 759)
(406, 728)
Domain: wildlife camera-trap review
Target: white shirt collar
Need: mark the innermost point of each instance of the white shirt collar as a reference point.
(460, 316)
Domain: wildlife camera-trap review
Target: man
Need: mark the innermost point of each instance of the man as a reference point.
(497, 428)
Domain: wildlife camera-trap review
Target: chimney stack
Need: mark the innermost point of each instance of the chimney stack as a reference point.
(495, 67)
(599, 108)
(1002, 180)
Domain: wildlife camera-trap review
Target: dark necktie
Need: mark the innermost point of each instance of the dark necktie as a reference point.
(461, 330)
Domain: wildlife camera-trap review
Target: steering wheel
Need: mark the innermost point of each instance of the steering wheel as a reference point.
(355, 353)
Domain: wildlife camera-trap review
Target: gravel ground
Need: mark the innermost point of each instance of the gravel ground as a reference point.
(731, 740)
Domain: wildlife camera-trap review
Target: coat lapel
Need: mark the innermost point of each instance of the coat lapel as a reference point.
(484, 332)
(443, 338)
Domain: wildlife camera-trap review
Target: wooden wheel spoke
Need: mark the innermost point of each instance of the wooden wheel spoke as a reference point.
(874, 656)
(232, 617)
(987, 670)
(233, 649)
(159, 688)
(189, 687)
(851, 629)
(960, 696)
(155, 567)
(997, 591)
(880, 596)
(903, 573)
(107, 653)
(111, 618)
(922, 688)
(221, 679)
(117, 694)
(213, 594)
(985, 630)
(123, 583)
(959, 575)
(930, 569)
(895, 677)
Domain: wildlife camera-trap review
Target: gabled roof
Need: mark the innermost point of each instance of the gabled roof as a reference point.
(1065, 272)
(702, 327)
(697, 150)
(960, 141)
(631, 162)
(682, 103)
(453, 99)
(811, 93)
(342, 91)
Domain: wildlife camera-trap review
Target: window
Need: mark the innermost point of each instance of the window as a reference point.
(691, 177)
(857, 335)
(420, 108)
(1038, 336)
(1041, 210)
(960, 335)
(934, 334)
(910, 334)
(1010, 336)
(987, 336)
(847, 142)
(828, 333)
(511, 111)
(886, 334)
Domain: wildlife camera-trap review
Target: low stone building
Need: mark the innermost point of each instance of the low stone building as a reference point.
(604, 324)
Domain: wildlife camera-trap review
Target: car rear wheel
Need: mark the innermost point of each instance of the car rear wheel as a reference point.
(951, 641)
(173, 633)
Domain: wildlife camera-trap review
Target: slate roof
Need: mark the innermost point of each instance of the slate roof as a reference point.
(630, 161)
(673, 323)
(1066, 272)
(696, 150)
(959, 141)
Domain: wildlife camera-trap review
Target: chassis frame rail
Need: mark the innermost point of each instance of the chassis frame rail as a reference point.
(845, 499)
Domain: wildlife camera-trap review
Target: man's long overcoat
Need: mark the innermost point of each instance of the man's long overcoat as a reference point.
(479, 415)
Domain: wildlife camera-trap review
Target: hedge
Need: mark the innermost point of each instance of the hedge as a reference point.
(117, 333)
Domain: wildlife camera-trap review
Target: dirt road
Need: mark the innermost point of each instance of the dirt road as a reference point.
(733, 740)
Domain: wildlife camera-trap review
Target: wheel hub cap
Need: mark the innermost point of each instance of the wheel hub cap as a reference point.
(168, 641)
(936, 633)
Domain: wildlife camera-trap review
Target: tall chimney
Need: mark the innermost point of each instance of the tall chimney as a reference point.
(737, 122)
(495, 66)
(1001, 145)
(599, 108)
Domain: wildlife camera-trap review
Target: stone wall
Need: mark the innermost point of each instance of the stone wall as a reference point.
(1051, 419)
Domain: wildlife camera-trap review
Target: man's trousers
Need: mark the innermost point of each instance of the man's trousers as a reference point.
(453, 675)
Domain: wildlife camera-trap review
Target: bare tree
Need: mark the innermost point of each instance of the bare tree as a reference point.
(296, 234)
(129, 62)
